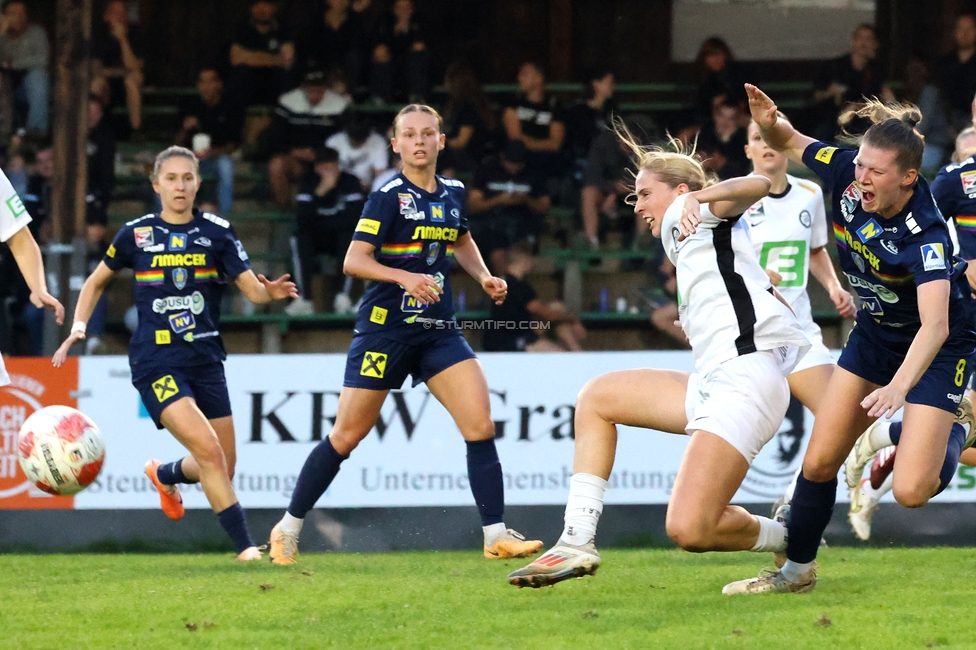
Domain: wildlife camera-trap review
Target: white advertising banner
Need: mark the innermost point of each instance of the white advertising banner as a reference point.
(284, 404)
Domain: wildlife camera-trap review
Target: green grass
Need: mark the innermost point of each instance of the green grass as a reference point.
(867, 598)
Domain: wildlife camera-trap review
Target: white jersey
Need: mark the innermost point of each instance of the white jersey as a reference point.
(364, 161)
(13, 217)
(724, 297)
(785, 228)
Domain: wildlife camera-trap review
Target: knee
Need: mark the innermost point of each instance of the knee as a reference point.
(344, 441)
(209, 455)
(484, 429)
(589, 399)
(690, 534)
(912, 496)
(818, 470)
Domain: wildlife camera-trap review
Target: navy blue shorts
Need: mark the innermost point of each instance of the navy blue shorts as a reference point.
(160, 387)
(942, 385)
(379, 363)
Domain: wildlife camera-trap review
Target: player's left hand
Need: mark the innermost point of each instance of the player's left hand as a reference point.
(44, 300)
(843, 302)
(884, 402)
(496, 288)
(690, 215)
(280, 288)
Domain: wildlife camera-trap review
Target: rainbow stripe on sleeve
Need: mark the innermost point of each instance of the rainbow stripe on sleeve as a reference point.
(204, 274)
(450, 251)
(840, 234)
(402, 250)
(967, 223)
(150, 277)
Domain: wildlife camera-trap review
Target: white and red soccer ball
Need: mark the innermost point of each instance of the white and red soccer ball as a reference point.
(61, 450)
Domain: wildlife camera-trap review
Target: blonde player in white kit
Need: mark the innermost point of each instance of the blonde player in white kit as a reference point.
(789, 233)
(745, 340)
(16, 234)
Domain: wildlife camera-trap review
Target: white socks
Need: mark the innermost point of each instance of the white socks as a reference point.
(493, 532)
(772, 536)
(879, 436)
(291, 525)
(583, 508)
(794, 571)
(881, 491)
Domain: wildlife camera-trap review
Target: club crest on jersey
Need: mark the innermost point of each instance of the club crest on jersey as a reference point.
(437, 213)
(872, 306)
(756, 210)
(968, 180)
(408, 205)
(432, 250)
(869, 231)
(858, 262)
(177, 241)
(849, 200)
(143, 236)
(933, 257)
(179, 278)
(806, 220)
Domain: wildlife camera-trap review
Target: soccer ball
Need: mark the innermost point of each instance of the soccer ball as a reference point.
(61, 450)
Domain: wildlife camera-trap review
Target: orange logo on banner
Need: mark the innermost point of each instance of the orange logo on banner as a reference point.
(35, 383)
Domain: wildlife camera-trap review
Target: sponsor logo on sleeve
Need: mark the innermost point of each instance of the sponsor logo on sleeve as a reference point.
(825, 154)
(933, 257)
(241, 253)
(368, 226)
(111, 251)
(16, 206)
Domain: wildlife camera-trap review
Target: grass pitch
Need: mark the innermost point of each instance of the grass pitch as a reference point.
(867, 598)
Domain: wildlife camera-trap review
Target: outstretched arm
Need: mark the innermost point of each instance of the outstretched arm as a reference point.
(90, 292)
(726, 199)
(778, 133)
(260, 290)
(468, 255)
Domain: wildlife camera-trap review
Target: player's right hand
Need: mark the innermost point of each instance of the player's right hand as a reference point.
(62, 352)
(423, 287)
(763, 108)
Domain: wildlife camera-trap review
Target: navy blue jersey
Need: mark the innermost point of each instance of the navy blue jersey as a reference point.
(886, 259)
(180, 274)
(414, 230)
(954, 190)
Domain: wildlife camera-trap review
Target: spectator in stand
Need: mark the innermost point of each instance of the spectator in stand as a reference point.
(118, 61)
(362, 153)
(401, 59)
(935, 125)
(664, 312)
(848, 79)
(587, 117)
(965, 144)
(261, 54)
(722, 141)
(722, 77)
(304, 119)
(506, 204)
(606, 184)
(394, 167)
(211, 126)
(469, 121)
(522, 306)
(328, 208)
(101, 186)
(957, 72)
(334, 39)
(24, 59)
(533, 119)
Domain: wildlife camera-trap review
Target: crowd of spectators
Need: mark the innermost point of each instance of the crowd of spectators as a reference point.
(322, 154)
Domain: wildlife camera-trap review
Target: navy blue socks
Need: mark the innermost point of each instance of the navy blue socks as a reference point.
(810, 511)
(317, 474)
(894, 432)
(172, 473)
(232, 520)
(485, 476)
(957, 438)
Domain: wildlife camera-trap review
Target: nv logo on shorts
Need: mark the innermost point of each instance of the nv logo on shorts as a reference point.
(374, 365)
(165, 387)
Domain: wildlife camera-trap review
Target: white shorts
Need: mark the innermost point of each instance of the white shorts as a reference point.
(817, 355)
(743, 400)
